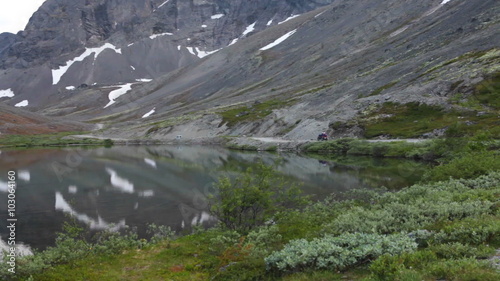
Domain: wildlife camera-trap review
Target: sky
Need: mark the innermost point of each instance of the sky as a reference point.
(14, 14)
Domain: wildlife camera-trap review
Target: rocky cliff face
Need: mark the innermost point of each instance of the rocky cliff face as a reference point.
(68, 44)
(60, 28)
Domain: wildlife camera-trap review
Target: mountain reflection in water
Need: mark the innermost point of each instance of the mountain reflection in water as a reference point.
(111, 188)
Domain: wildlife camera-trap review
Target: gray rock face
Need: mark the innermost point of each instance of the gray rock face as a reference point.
(145, 39)
(6, 40)
(60, 28)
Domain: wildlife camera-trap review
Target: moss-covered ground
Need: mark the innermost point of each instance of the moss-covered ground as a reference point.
(252, 112)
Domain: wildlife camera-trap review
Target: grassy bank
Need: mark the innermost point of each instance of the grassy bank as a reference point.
(57, 139)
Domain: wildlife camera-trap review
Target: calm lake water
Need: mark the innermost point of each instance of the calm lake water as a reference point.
(166, 185)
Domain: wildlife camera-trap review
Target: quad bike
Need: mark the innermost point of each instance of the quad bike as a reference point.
(322, 137)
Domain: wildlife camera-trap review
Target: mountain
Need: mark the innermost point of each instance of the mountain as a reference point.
(158, 69)
(79, 43)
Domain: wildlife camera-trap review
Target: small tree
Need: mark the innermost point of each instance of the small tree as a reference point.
(254, 198)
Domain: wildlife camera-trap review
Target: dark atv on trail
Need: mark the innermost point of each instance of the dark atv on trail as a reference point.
(322, 137)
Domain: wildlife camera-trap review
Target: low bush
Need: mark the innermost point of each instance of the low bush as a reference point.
(421, 205)
(427, 265)
(264, 240)
(337, 253)
(70, 247)
(465, 269)
(390, 267)
(468, 166)
(471, 231)
(457, 250)
(160, 232)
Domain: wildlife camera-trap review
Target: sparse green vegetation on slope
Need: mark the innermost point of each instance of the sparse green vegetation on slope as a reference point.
(253, 112)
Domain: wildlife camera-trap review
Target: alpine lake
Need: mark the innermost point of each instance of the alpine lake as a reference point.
(133, 186)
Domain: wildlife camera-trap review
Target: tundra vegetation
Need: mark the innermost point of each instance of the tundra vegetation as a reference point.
(55, 139)
(445, 227)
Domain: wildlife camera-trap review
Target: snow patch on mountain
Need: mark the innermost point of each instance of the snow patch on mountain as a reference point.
(58, 73)
(289, 18)
(113, 95)
(70, 88)
(24, 103)
(191, 50)
(6, 93)
(318, 15)
(200, 53)
(217, 16)
(233, 42)
(278, 41)
(249, 29)
(149, 113)
(159, 35)
(269, 22)
(163, 4)
(144, 80)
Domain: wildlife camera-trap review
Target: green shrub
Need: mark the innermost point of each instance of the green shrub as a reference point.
(426, 264)
(473, 231)
(112, 242)
(390, 267)
(71, 245)
(466, 269)
(468, 166)
(395, 217)
(421, 205)
(253, 198)
(108, 143)
(160, 232)
(223, 241)
(263, 240)
(458, 250)
(337, 253)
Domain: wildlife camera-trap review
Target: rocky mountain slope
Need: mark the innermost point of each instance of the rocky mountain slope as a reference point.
(78, 43)
(278, 70)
